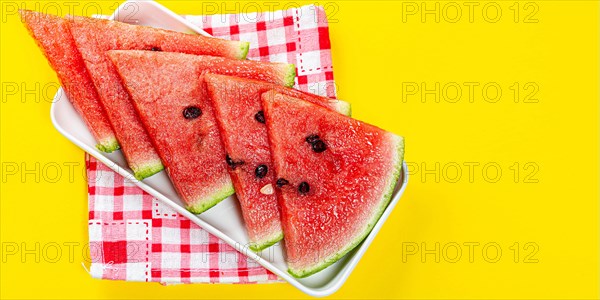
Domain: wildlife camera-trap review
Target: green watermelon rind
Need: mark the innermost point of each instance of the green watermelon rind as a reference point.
(289, 77)
(208, 202)
(244, 47)
(344, 108)
(108, 146)
(259, 246)
(399, 141)
(147, 170)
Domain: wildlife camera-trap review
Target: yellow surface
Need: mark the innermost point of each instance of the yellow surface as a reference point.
(381, 51)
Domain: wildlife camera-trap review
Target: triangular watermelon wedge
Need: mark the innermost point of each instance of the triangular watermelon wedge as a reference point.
(238, 109)
(336, 176)
(169, 94)
(95, 36)
(54, 39)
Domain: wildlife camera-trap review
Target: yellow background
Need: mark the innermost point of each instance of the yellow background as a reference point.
(374, 53)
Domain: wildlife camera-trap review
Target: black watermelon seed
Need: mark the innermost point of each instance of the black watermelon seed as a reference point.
(319, 146)
(281, 182)
(261, 171)
(304, 188)
(312, 138)
(260, 117)
(231, 163)
(192, 112)
(229, 160)
(156, 49)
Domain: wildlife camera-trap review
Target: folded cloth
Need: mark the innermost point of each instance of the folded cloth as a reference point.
(135, 237)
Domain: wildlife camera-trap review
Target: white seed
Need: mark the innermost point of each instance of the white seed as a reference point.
(267, 189)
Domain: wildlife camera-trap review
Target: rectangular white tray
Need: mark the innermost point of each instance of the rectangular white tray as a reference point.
(225, 219)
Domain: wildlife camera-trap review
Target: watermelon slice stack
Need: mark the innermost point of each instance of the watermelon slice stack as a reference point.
(179, 117)
(238, 110)
(95, 36)
(302, 169)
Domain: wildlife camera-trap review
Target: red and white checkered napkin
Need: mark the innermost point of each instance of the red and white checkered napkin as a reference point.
(134, 236)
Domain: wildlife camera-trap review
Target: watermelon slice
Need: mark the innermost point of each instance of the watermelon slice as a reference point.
(94, 37)
(169, 94)
(54, 39)
(336, 176)
(238, 111)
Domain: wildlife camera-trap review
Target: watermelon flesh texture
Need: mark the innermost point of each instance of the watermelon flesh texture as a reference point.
(236, 102)
(162, 85)
(334, 197)
(94, 37)
(53, 36)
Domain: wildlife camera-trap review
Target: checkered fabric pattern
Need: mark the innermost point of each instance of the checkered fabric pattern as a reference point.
(299, 36)
(135, 237)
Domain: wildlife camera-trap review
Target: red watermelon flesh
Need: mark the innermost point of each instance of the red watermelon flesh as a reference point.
(237, 106)
(163, 87)
(94, 37)
(341, 173)
(54, 39)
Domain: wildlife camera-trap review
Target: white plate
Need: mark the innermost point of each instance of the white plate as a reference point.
(225, 219)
